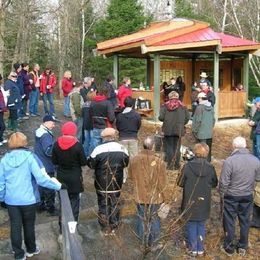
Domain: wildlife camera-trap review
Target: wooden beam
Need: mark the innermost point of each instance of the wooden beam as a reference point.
(246, 73)
(156, 86)
(216, 83)
(146, 49)
(241, 48)
(116, 70)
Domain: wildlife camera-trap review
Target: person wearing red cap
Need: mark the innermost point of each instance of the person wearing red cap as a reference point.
(68, 154)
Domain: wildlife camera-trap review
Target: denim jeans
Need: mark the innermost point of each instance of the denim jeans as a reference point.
(23, 108)
(66, 108)
(88, 149)
(48, 97)
(22, 217)
(33, 101)
(195, 232)
(2, 126)
(79, 123)
(172, 151)
(236, 206)
(256, 146)
(148, 223)
(108, 209)
(96, 137)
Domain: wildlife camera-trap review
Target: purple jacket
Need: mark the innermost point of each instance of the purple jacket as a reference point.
(26, 83)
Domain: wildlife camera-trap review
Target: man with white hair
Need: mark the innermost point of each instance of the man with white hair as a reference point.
(87, 82)
(236, 186)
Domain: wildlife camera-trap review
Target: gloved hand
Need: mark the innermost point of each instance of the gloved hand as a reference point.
(64, 186)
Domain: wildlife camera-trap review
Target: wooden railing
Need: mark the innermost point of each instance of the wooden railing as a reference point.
(72, 249)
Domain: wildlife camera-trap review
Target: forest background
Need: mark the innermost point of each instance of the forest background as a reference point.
(63, 33)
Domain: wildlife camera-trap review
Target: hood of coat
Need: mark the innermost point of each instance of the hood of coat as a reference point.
(15, 158)
(99, 98)
(197, 165)
(66, 141)
(173, 104)
(42, 130)
(207, 105)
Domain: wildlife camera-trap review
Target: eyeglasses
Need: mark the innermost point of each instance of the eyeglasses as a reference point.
(14, 76)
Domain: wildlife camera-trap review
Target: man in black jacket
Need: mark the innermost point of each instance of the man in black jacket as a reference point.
(102, 115)
(109, 160)
(128, 123)
(174, 116)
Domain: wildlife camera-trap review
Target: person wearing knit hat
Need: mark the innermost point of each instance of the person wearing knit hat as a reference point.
(43, 145)
(109, 160)
(174, 116)
(68, 155)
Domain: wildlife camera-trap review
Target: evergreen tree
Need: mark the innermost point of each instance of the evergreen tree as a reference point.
(123, 17)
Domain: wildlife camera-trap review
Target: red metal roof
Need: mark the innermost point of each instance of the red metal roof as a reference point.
(171, 34)
(206, 34)
(232, 41)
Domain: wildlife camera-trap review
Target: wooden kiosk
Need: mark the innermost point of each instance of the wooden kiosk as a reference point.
(181, 47)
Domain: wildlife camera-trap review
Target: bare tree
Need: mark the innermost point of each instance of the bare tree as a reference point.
(3, 6)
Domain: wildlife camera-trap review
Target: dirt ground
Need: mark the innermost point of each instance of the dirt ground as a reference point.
(172, 234)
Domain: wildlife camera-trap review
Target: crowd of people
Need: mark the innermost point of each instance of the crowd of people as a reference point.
(28, 179)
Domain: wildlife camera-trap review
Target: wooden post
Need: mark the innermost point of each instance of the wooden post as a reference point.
(116, 70)
(148, 72)
(216, 83)
(156, 86)
(193, 67)
(246, 73)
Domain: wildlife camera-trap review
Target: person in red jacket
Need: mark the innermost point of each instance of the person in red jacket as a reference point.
(66, 85)
(124, 91)
(48, 82)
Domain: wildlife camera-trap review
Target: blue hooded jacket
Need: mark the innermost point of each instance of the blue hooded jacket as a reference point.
(43, 147)
(20, 172)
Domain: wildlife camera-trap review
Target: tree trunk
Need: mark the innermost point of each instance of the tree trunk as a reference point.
(2, 33)
(82, 38)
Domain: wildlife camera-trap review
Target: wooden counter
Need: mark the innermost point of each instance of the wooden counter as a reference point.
(146, 94)
(232, 104)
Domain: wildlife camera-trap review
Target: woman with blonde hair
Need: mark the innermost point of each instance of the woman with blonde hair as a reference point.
(20, 173)
(67, 86)
(198, 178)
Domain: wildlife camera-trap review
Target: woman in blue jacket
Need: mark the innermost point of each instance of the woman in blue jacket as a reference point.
(20, 172)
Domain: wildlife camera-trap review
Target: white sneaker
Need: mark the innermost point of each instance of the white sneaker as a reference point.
(36, 252)
(4, 141)
(1, 143)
